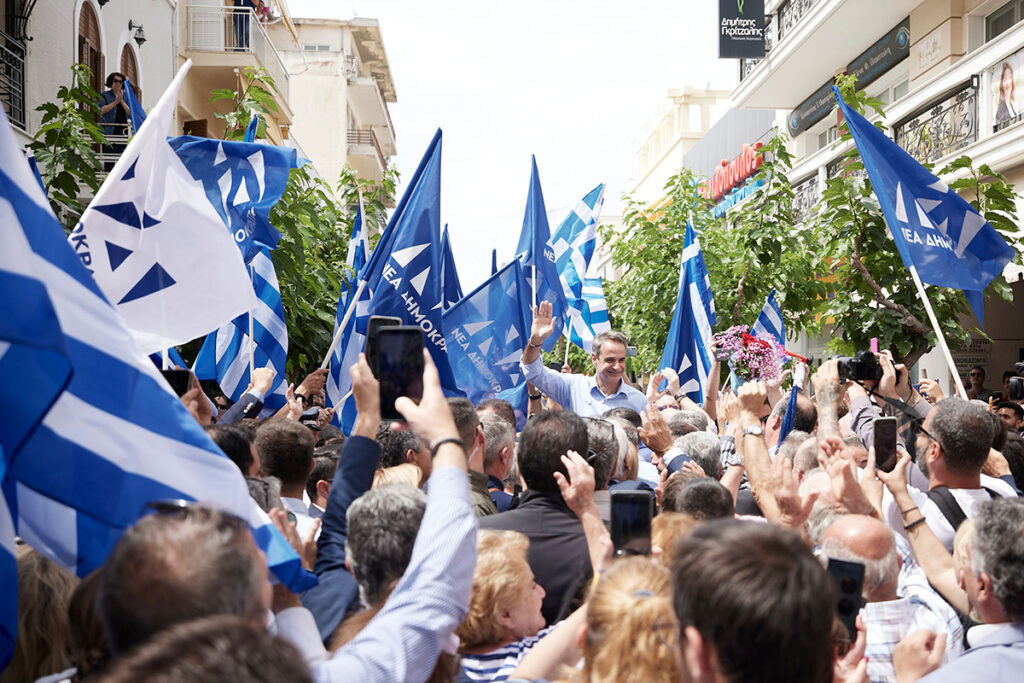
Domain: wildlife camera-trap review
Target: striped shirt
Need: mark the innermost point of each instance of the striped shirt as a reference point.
(499, 664)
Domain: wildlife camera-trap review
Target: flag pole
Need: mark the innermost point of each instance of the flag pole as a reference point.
(344, 322)
(166, 356)
(534, 283)
(567, 342)
(938, 332)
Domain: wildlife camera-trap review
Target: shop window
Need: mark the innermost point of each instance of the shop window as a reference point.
(89, 51)
(1003, 19)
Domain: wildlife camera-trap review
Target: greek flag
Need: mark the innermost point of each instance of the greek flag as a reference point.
(938, 234)
(225, 352)
(536, 253)
(155, 248)
(401, 278)
(688, 348)
(790, 415)
(100, 434)
(358, 249)
(770, 322)
(574, 242)
(449, 276)
(137, 113)
(486, 331)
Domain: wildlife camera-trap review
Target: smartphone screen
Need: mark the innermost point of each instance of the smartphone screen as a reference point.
(178, 379)
(885, 443)
(631, 522)
(400, 362)
(848, 578)
(372, 327)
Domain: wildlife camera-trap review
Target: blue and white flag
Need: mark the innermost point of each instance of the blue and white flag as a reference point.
(538, 256)
(770, 322)
(789, 417)
(136, 112)
(243, 181)
(688, 348)
(402, 279)
(486, 332)
(449, 276)
(100, 434)
(252, 130)
(225, 352)
(936, 231)
(8, 577)
(173, 357)
(156, 248)
(574, 243)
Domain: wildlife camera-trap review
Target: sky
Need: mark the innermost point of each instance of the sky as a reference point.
(578, 84)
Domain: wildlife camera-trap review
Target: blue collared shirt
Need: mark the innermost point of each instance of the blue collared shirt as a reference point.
(580, 393)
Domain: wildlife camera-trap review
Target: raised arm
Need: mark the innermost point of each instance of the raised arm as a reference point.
(578, 492)
(555, 384)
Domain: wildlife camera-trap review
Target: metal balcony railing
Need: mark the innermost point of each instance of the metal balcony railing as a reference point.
(777, 27)
(367, 137)
(942, 129)
(12, 78)
(231, 30)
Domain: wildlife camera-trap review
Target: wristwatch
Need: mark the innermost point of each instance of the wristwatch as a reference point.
(754, 430)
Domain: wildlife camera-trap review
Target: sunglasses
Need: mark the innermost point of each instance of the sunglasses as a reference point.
(117, 80)
(190, 510)
(977, 374)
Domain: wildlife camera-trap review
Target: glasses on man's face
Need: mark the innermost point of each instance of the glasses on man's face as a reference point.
(977, 374)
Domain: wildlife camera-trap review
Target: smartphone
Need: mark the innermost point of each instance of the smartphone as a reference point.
(399, 351)
(178, 379)
(373, 325)
(631, 522)
(884, 441)
(555, 365)
(848, 578)
(630, 352)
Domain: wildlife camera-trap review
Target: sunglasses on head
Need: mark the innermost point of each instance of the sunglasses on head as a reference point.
(187, 509)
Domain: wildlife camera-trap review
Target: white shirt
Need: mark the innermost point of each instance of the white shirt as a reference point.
(303, 522)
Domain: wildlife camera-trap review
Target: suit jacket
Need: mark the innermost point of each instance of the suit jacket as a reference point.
(558, 552)
(247, 406)
(997, 658)
(338, 592)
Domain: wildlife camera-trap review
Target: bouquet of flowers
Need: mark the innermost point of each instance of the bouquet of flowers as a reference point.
(749, 356)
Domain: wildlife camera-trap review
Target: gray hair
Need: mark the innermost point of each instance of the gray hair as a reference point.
(602, 440)
(704, 449)
(878, 572)
(498, 434)
(997, 548)
(964, 431)
(382, 528)
(608, 336)
(792, 442)
(694, 418)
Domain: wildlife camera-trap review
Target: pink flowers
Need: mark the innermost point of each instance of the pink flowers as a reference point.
(749, 356)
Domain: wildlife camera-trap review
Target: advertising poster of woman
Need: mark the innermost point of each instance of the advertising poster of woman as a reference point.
(1003, 77)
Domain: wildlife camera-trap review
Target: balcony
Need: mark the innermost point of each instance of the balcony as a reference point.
(807, 42)
(227, 37)
(12, 78)
(366, 156)
(943, 129)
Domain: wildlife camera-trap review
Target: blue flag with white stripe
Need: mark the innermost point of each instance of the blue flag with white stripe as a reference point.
(449, 276)
(224, 355)
(538, 257)
(574, 243)
(486, 332)
(688, 348)
(173, 357)
(936, 231)
(243, 181)
(769, 321)
(115, 426)
(136, 112)
(402, 279)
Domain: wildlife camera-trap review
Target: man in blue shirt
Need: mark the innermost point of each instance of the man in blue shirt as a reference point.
(586, 396)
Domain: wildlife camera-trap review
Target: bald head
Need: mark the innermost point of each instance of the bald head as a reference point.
(859, 538)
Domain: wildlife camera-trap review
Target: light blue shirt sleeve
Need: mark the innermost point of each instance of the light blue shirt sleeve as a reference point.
(402, 643)
(557, 385)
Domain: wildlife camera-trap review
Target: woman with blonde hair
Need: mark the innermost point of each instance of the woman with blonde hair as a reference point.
(1006, 109)
(504, 619)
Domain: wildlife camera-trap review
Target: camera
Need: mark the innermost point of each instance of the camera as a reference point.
(862, 366)
(1016, 390)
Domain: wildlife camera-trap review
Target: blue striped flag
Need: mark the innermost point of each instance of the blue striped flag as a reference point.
(451, 286)
(538, 257)
(770, 322)
(225, 352)
(138, 114)
(688, 348)
(574, 243)
(100, 434)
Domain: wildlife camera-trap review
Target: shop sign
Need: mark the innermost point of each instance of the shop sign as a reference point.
(732, 174)
(740, 28)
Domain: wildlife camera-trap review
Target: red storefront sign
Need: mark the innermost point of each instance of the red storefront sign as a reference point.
(732, 173)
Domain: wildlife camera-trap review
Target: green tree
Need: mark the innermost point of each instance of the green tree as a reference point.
(257, 98)
(66, 144)
(310, 258)
(875, 295)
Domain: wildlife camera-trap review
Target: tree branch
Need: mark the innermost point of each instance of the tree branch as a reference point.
(738, 308)
(909, 319)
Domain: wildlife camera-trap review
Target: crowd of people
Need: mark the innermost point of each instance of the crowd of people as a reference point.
(450, 546)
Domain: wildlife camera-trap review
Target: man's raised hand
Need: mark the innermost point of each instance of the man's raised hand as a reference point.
(543, 323)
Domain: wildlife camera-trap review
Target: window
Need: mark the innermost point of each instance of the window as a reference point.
(827, 137)
(130, 68)
(1003, 19)
(900, 90)
(894, 92)
(89, 50)
(319, 47)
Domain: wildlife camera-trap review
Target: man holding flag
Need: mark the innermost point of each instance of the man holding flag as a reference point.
(585, 396)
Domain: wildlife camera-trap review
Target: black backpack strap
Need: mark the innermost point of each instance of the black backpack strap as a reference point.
(948, 506)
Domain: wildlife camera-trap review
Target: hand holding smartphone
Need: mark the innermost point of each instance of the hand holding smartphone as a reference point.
(399, 356)
(631, 522)
(884, 441)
